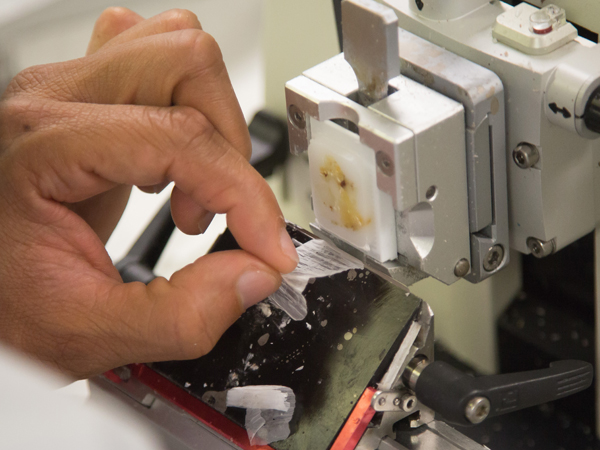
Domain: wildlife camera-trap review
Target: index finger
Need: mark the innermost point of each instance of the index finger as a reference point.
(165, 22)
(183, 67)
(147, 146)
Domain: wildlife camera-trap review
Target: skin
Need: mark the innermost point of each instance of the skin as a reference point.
(150, 103)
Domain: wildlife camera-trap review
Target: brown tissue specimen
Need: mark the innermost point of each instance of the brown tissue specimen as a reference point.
(343, 196)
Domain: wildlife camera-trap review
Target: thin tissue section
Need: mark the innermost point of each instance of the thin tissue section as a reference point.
(269, 410)
(317, 259)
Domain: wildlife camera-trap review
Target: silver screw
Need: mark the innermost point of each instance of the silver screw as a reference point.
(381, 401)
(539, 248)
(477, 410)
(526, 156)
(462, 268)
(408, 402)
(385, 164)
(494, 258)
(297, 117)
(396, 401)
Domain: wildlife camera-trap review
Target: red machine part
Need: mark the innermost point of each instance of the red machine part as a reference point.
(347, 439)
(193, 406)
(357, 423)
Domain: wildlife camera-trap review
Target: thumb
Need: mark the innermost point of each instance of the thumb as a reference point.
(184, 318)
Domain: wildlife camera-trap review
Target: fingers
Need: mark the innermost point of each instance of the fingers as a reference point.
(98, 323)
(72, 131)
(208, 89)
(183, 68)
(172, 20)
(189, 217)
(148, 146)
(176, 20)
(112, 22)
(117, 26)
(183, 318)
(102, 212)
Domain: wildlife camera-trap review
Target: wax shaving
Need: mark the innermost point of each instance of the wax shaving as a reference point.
(269, 410)
(318, 259)
(260, 397)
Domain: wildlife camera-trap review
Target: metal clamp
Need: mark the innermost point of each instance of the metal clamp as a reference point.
(394, 401)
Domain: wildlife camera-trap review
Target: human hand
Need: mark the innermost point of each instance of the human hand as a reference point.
(152, 103)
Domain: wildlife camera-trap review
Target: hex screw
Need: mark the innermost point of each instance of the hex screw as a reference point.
(539, 248)
(494, 258)
(477, 410)
(381, 401)
(407, 402)
(396, 401)
(526, 155)
(462, 268)
(385, 164)
(297, 117)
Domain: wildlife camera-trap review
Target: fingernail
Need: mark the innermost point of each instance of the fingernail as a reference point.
(255, 286)
(287, 246)
(205, 222)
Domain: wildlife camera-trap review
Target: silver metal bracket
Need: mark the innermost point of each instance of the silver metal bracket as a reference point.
(328, 90)
(370, 33)
(394, 401)
(433, 227)
(482, 94)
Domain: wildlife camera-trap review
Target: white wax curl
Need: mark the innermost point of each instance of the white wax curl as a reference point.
(269, 410)
(317, 259)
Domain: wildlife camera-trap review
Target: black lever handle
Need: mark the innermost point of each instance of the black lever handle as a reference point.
(466, 400)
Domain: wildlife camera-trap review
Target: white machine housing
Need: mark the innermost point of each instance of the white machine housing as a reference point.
(546, 97)
(455, 198)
